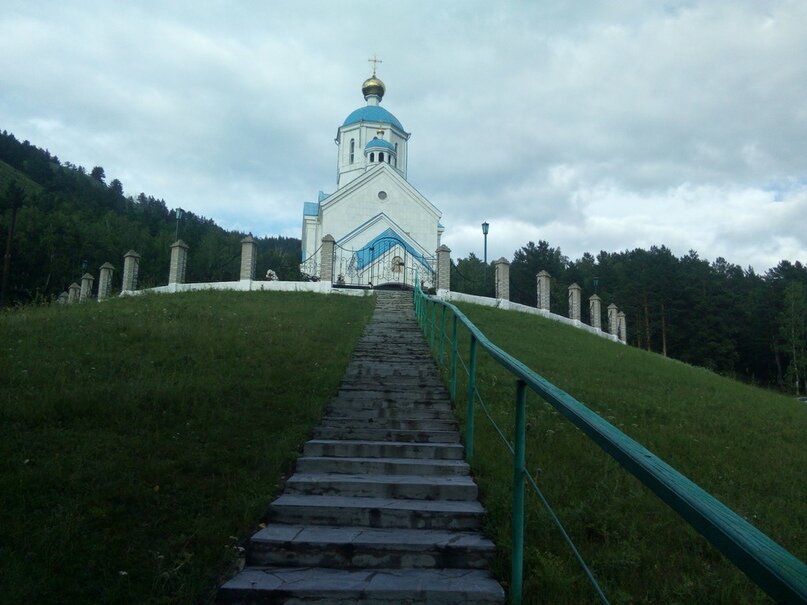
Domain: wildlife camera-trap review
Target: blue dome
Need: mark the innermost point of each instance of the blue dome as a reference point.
(372, 113)
(377, 143)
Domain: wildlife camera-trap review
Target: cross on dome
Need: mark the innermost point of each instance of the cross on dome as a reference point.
(375, 61)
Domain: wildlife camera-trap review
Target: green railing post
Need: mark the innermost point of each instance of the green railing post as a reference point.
(433, 325)
(453, 379)
(519, 464)
(442, 333)
(469, 420)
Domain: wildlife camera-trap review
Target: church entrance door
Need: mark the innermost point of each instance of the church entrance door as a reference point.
(386, 261)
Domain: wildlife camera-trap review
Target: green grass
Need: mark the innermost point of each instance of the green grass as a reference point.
(142, 439)
(743, 444)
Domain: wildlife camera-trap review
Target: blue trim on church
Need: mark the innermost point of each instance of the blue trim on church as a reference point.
(311, 209)
(373, 250)
(372, 113)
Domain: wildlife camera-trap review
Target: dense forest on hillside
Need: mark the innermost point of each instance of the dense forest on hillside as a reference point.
(713, 314)
(69, 220)
(716, 315)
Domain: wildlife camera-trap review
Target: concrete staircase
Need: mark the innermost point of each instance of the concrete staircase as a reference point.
(381, 508)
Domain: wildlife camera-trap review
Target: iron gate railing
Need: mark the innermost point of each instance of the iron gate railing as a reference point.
(387, 260)
(310, 267)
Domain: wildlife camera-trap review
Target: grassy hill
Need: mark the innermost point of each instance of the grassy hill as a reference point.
(69, 222)
(141, 440)
(743, 444)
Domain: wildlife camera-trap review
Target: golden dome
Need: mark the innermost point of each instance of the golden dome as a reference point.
(373, 86)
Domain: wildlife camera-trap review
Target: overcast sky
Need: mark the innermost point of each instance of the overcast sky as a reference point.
(593, 125)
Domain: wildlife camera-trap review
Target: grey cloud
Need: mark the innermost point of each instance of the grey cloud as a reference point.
(593, 125)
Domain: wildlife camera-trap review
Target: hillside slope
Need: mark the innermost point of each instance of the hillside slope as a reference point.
(71, 221)
(743, 444)
(141, 439)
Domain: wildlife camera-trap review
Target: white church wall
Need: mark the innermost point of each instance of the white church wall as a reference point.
(417, 220)
(347, 171)
(310, 241)
(252, 285)
(507, 305)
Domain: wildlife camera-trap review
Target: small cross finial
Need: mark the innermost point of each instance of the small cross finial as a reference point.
(375, 61)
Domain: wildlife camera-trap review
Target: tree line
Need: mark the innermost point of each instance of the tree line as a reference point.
(68, 220)
(713, 314)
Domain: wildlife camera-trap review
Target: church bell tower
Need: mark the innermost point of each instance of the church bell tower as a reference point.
(370, 135)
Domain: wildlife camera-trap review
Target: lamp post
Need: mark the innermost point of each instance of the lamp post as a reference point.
(485, 227)
(179, 214)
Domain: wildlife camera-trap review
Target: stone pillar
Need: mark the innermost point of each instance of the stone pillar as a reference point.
(249, 256)
(443, 268)
(131, 270)
(63, 298)
(179, 262)
(326, 259)
(502, 278)
(613, 320)
(595, 311)
(73, 293)
(543, 289)
(86, 287)
(574, 301)
(105, 281)
(623, 328)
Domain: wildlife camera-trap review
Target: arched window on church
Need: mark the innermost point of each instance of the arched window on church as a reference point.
(352, 149)
(381, 156)
(372, 157)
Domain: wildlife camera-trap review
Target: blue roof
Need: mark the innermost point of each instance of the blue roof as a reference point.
(377, 143)
(381, 244)
(310, 209)
(372, 113)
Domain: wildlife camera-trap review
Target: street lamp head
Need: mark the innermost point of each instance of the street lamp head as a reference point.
(180, 212)
(485, 227)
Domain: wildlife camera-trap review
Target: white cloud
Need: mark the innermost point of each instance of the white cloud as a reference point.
(591, 125)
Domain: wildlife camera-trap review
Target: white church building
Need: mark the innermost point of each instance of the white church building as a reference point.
(383, 231)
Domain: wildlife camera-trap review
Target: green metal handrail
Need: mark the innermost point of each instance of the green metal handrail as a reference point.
(775, 570)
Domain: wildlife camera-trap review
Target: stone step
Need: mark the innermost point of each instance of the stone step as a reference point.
(426, 390)
(393, 399)
(386, 400)
(409, 436)
(368, 548)
(375, 368)
(393, 383)
(376, 512)
(445, 487)
(434, 411)
(379, 466)
(271, 585)
(398, 424)
(381, 508)
(383, 449)
(403, 354)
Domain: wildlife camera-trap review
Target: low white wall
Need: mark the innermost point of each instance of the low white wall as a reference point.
(500, 303)
(246, 285)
